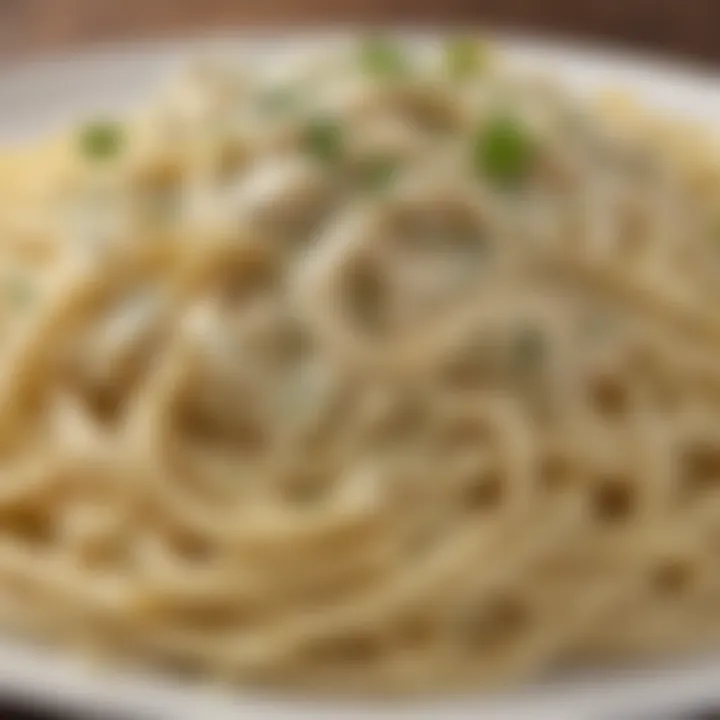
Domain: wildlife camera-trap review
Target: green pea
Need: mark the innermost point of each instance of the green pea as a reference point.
(464, 57)
(101, 140)
(323, 138)
(381, 56)
(502, 151)
(377, 173)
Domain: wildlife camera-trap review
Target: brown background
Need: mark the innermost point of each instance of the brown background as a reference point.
(687, 28)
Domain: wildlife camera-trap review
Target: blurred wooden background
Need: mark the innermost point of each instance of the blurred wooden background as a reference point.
(687, 27)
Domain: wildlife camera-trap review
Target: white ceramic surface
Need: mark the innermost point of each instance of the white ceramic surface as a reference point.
(38, 95)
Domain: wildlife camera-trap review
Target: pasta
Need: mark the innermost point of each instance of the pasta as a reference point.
(387, 375)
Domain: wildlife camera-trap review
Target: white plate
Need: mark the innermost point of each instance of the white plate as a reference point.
(39, 95)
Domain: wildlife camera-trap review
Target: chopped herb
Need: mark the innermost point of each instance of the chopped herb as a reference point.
(377, 173)
(380, 56)
(323, 139)
(101, 140)
(529, 348)
(502, 151)
(464, 57)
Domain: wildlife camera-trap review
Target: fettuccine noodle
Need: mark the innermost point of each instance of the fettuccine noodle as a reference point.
(384, 376)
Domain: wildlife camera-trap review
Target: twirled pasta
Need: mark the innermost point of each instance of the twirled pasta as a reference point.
(392, 376)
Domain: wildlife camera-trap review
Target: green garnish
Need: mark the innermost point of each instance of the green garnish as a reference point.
(377, 173)
(101, 140)
(464, 57)
(502, 151)
(323, 139)
(380, 56)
